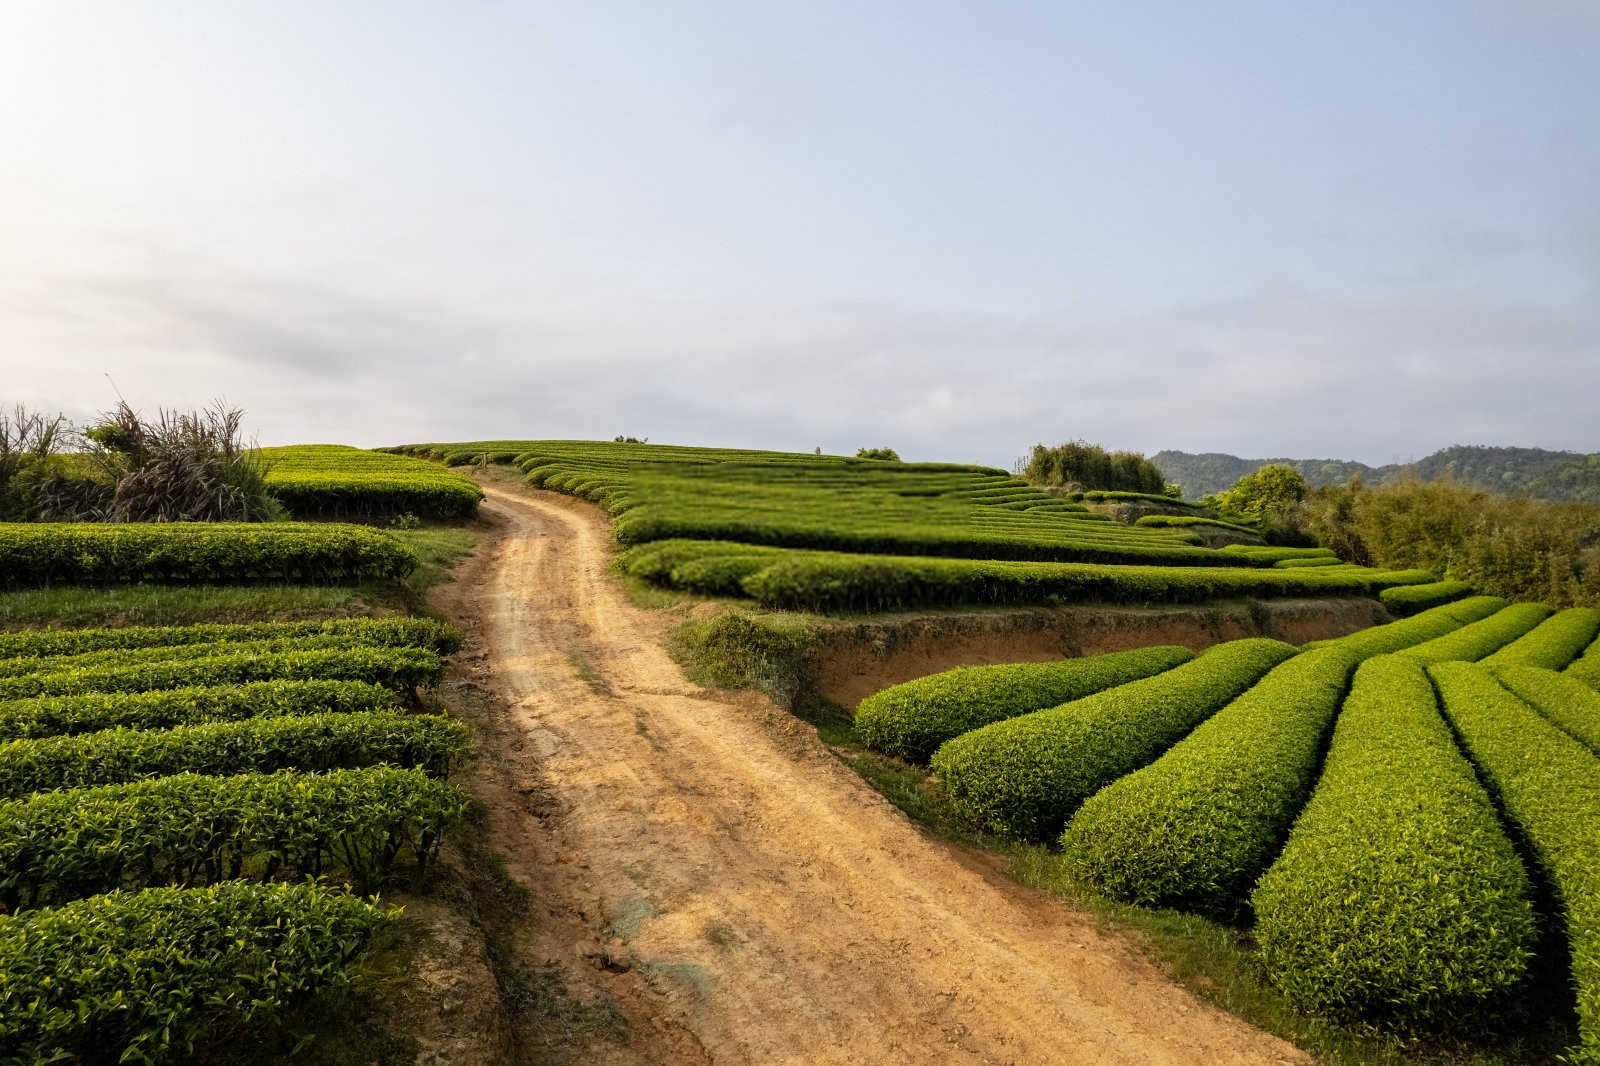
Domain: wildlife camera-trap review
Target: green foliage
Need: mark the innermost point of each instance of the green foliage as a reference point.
(1197, 826)
(48, 716)
(258, 745)
(1519, 548)
(888, 455)
(1409, 599)
(227, 553)
(1474, 641)
(1397, 636)
(392, 632)
(403, 668)
(1089, 466)
(1548, 784)
(29, 441)
(171, 605)
(1563, 699)
(189, 829)
(1024, 777)
(179, 466)
(1398, 899)
(336, 481)
(1587, 667)
(1268, 500)
(1182, 521)
(1553, 643)
(146, 976)
(840, 582)
(911, 720)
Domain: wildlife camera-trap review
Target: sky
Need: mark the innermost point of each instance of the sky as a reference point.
(1356, 230)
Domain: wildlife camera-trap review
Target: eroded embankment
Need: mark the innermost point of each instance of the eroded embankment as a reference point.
(798, 659)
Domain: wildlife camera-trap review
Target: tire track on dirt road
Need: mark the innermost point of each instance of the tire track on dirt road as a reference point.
(778, 908)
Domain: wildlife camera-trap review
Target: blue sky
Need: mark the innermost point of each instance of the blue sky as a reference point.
(1360, 230)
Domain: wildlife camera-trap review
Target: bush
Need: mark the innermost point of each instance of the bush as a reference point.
(1563, 699)
(42, 553)
(1197, 826)
(256, 745)
(887, 455)
(1553, 643)
(1476, 640)
(395, 632)
(1398, 899)
(1397, 636)
(399, 668)
(151, 974)
(1409, 599)
(190, 829)
(177, 467)
(1089, 466)
(48, 716)
(1587, 668)
(911, 720)
(1024, 777)
(1548, 784)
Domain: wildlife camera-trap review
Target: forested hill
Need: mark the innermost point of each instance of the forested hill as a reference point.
(1516, 471)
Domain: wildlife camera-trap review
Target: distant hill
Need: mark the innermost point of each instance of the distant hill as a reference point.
(1514, 471)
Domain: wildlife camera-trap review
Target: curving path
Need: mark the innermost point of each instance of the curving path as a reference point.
(777, 909)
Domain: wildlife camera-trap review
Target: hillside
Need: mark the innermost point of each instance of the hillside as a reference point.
(1516, 471)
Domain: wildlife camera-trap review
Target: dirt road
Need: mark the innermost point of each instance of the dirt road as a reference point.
(769, 906)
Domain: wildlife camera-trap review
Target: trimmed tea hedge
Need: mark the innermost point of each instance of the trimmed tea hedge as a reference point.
(257, 745)
(334, 480)
(1397, 636)
(1587, 667)
(911, 720)
(132, 657)
(48, 716)
(1024, 777)
(1398, 898)
(151, 974)
(1553, 643)
(192, 830)
(396, 632)
(878, 583)
(224, 553)
(407, 668)
(1197, 826)
(1472, 642)
(1549, 786)
(1565, 700)
(1409, 599)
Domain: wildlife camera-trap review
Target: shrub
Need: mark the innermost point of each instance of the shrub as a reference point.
(400, 668)
(911, 720)
(257, 745)
(151, 974)
(48, 716)
(177, 467)
(190, 829)
(1549, 786)
(1197, 826)
(1553, 643)
(1474, 641)
(1025, 776)
(1397, 636)
(1563, 699)
(1409, 599)
(1090, 466)
(1398, 899)
(887, 455)
(396, 632)
(1587, 667)
(42, 553)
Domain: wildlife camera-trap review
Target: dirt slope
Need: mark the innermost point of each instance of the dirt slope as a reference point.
(765, 904)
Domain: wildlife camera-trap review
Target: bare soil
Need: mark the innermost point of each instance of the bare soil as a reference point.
(701, 864)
